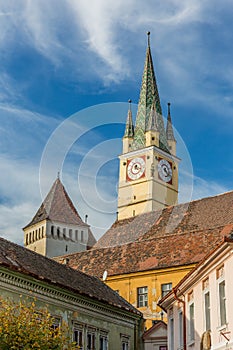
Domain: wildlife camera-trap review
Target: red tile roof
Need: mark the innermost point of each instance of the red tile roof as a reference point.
(58, 206)
(175, 236)
(25, 261)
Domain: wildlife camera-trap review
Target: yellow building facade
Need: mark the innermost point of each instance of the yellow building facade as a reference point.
(144, 289)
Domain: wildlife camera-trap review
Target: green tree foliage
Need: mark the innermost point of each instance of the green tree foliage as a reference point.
(23, 326)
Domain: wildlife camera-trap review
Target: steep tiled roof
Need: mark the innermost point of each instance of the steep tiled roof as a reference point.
(179, 235)
(30, 263)
(57, 206)
(149, 96)
(169, 128)
(200, 215)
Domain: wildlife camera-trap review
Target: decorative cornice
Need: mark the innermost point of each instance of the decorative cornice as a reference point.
(58, 295)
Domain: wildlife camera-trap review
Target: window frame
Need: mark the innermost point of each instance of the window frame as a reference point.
(103, 336)
(165, 291)
(171, 333)
(222, 303)
(125, 342)
(191, 323)
(181, 335)
(80, 330)
(142, 296)
(92, 333)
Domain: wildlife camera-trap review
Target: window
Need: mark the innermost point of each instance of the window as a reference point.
(91, 339)
(78, 335)
(52, 231)
(76, 235)
(142, 296)
(171, 334)
(56, 322)
(191, 322)
(82, 236)
(103, 341)
(207, 310)
(58, 232)
(70, 233)
(180, 317)
(64, 233)
(222, 303)
(124, 342)
(166, 288)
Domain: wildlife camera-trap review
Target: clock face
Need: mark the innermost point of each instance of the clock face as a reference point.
(136, 168)
(165, 170)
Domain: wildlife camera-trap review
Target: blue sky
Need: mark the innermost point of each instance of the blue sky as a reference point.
(58, 59)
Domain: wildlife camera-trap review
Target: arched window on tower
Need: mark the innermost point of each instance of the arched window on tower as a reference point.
(52, 231)
(59, 233)
(76, 235)
(64, 233)
(70, 233)
(42, 231)
(82, 236)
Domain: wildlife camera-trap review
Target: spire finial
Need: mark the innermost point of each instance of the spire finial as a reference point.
(130, 101)
(148, 38)
(168, 108)
(58, 175)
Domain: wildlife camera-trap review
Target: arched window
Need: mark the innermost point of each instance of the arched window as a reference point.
(70, 233)
(76, 235)
(30, 237)
(33, 236)
(82, 236)
(39, 234)
(58, 233)
(27, 239)
(64, 233)
(42, 229)
(52, 231)
(36, 235)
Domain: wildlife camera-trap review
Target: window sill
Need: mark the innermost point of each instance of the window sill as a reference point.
(222, 328)
(191, 342)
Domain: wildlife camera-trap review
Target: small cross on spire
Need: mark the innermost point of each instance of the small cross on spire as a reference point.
(130, 101)
(148, 37)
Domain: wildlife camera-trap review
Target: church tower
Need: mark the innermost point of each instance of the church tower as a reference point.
(57, 229)
(148, 178)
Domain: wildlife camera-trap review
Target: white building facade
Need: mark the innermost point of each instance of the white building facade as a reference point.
(200, 307)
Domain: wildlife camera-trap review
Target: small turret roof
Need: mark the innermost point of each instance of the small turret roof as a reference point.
(129, 128)
(57, 206)
(169, 129)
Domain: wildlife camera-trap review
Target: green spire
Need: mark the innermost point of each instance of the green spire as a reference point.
(153, 119)
(169, 129)
(129, 128)
(149, 96)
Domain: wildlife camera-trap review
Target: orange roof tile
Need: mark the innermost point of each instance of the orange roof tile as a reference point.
(175, 236)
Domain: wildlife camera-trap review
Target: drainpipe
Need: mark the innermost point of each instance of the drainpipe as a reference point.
(184, 317)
